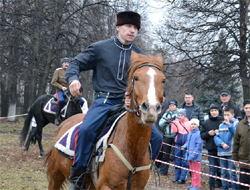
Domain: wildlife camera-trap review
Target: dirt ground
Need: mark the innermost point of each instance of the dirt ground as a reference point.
(20, 171)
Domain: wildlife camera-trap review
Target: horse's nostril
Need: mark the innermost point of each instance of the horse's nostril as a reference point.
(144, 107)
(158, 109)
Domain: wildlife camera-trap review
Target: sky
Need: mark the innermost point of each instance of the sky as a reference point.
(156, 13)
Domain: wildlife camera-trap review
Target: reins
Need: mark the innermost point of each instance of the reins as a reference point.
(126, 163)
(136, 110)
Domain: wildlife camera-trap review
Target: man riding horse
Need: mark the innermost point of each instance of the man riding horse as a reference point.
(110, 61)
(59, 82)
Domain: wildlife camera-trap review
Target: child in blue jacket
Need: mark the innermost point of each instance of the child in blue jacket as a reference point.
(194, 145)
(224, 141)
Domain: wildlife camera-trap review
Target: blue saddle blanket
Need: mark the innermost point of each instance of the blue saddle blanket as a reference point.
(51, 108)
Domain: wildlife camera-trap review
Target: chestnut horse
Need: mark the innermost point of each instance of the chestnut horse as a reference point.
(132, 135)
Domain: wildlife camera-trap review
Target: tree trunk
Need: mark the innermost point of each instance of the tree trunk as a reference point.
(4, 100)
(244, 70)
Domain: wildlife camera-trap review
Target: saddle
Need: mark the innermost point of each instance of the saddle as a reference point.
(66, 144)
(51, 105)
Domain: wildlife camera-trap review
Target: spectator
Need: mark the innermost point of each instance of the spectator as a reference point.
(207, 134)
(59, 82)
(224, 141)
(164, 123)
(194, 145)
(241, 146)
(181, 126)
(192, 108)
(225, 97)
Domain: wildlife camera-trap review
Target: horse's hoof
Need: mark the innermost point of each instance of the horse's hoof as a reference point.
(41, 154)
(25, 152)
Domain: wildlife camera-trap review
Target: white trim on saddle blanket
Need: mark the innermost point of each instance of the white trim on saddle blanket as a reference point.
(66, 143)
(103, 141)
(48, 108)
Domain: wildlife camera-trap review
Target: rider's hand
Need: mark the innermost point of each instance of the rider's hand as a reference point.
(64, 88)
(74, 87)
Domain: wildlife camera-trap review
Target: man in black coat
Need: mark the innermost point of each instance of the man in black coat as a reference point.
(192, 108)
(225, 97)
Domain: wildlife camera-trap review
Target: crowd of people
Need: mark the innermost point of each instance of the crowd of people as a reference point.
(225, 134)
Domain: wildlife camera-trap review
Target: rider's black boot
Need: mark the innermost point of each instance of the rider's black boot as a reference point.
(77, 177)
(57, 117)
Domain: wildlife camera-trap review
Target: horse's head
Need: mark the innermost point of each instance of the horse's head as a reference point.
(146, 84)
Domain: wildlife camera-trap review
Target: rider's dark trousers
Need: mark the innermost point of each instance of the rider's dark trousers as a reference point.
(95, 117)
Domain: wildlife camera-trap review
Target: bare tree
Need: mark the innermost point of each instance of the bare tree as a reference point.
(192, 29)
(35, 35)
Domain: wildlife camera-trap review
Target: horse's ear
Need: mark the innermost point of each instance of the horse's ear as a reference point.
(134, 56)
(159, 58)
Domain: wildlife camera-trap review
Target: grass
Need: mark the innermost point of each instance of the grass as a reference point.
(19, 171)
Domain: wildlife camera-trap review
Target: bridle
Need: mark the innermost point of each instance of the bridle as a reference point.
(136, 110)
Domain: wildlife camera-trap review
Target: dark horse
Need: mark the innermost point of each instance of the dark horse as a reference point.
(132, 134)
(43, 118)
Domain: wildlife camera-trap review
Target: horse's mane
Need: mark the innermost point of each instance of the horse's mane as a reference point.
(139, 60)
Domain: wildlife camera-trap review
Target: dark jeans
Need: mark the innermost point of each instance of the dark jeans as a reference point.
(165, 157)
(228, 174)
(244, 178)
(213, 170)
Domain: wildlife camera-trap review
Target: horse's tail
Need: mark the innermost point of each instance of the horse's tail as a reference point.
(26, 127)
(47, 160)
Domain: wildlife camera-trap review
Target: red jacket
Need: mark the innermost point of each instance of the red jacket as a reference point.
(182, 128)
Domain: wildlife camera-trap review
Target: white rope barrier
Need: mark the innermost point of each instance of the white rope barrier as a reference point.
(209, 175)
(210, 165)
(14, 116)
(209, 155)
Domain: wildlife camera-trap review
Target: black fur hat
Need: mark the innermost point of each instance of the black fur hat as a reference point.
(128, 17)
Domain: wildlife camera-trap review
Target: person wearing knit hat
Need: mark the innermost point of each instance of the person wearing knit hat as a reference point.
(180, 126)
(59, 82)
(196, 121)
(110, 61)
(194, 145)
(165, 126)
(182, 111)
(208, 131)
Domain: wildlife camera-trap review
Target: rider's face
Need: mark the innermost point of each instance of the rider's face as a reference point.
(127, 33)
(65, 65)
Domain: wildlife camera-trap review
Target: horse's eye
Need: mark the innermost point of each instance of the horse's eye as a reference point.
(163, 82)
(136, 78)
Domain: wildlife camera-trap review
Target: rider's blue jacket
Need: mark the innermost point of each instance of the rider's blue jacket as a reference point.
(108, 56)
